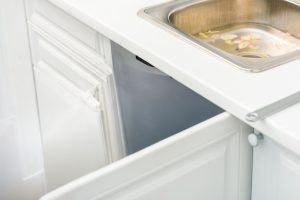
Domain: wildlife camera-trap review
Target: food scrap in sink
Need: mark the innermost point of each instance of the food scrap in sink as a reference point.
(247, 41)
(231, 42)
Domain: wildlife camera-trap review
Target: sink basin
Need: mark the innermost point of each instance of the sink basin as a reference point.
(253, 35)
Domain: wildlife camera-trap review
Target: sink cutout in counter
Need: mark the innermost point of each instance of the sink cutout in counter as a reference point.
(253, 35)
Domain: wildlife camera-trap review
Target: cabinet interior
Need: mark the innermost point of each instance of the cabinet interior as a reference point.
(153, 105)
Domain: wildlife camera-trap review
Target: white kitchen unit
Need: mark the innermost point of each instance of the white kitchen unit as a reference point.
(276, 172)
(80, 111)
(211, 160)
(75, 92)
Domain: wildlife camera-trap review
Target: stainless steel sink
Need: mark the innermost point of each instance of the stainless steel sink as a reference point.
(253, 35)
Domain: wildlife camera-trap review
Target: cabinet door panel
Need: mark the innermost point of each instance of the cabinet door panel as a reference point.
(66, 66)
(210, 161)
(71, 125)
(289, 177)
(276, 173)
(63, 20)
(78, 114)
(90, 81)
(80, 125)
(45, 28)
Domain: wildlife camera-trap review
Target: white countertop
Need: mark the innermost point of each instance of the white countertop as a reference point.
(235, 91)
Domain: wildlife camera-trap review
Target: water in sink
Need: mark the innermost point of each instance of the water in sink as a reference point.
(250, 40)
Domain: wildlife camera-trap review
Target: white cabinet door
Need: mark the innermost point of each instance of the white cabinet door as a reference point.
(276, 173)
(78, 114)
(210, 161)
(71, 125)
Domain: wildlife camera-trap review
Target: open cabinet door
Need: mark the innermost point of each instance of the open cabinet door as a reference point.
(210, 161)
(71, 126)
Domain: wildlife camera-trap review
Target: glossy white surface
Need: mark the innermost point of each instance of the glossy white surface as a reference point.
(75, 92)
(235, 91)
(21, 161)
(276, 173)
(211, 160)
(71, 126)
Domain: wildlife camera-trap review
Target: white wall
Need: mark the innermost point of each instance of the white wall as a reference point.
(21, 165)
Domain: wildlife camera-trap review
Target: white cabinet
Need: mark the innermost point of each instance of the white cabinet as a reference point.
(276, 173)
(210, 161)
(77, 106)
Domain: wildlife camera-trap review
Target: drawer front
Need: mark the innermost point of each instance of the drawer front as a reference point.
(45, 18)
(211, 161)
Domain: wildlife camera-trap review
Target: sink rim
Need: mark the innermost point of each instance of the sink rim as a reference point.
(162, 19)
